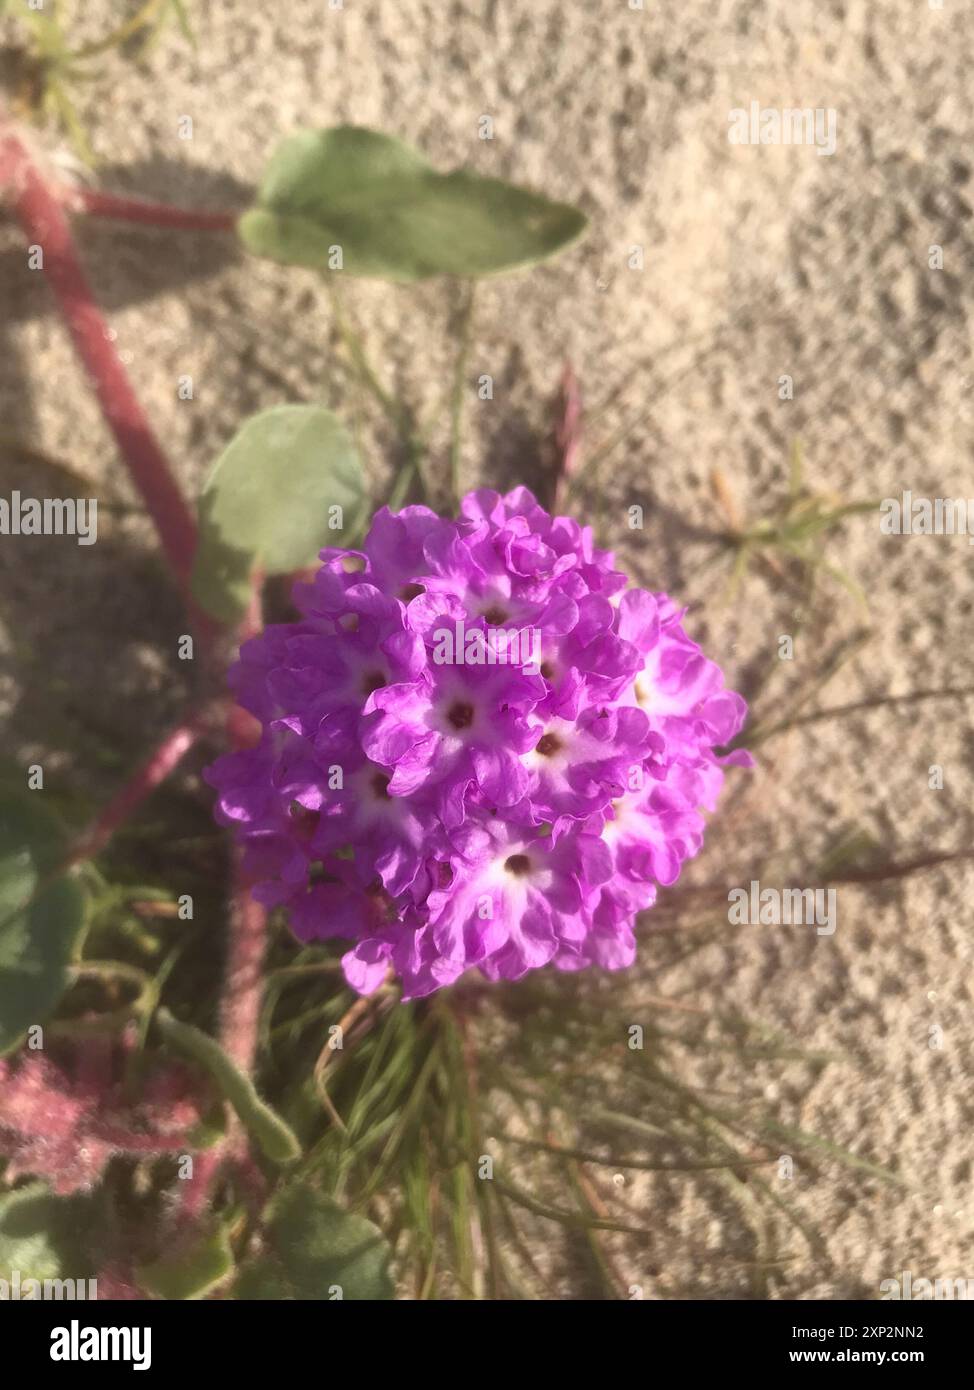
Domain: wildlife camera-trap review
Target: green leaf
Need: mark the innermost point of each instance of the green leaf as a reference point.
(393, 215)
(269, 502)
(193, 1272)
(314, 1250)
(41, 1235)
(278, 1142)
(26, 1237)
(42, 916)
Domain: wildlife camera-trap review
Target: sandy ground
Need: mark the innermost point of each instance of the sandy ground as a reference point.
(758, 262)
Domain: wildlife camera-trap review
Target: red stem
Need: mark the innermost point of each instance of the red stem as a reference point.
(568, 433)
(155, 770)
(139, 210)
(45, 225)
(240, 1013)
(40, 210)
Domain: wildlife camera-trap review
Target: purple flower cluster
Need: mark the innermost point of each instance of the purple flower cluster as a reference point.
(444, 800)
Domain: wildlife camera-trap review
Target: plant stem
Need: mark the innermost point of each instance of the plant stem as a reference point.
(467, 1051)
(459, 387)
(142, 211)
(142, 18)
(396, 411)
(360, 361)
(152, 772)
(46, 226)
(568, 435)
(874, 702)
(149, 776)
(240, 1008)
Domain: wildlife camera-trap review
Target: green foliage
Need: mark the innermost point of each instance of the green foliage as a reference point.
(50, 68)
(274, 1137)
(192, 1272)
(393, 215)
(793, 536)
(315, 1250)
(540, 1076)
(42, 916)
(40, 1234)
(266, 503)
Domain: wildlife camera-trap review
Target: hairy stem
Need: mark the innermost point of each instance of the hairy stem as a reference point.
(240, 1010)
(241, 992)
(45, 225)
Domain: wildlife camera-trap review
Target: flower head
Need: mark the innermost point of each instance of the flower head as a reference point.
(480, 748)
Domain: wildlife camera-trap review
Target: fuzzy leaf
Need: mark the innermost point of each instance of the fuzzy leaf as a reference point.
(192, 1273)
(393, 215)
(42, 917)
(313, 1249)
(41, 1235)
(268, 502)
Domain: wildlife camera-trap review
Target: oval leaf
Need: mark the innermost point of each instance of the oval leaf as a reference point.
(41, 916)
(269, 502)
(279, 1143)
(312, 1249)
(193, 1272)
(44, 1237)
(392, 215)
